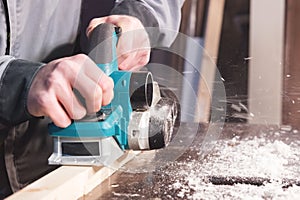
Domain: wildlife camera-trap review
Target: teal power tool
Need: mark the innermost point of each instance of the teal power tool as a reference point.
(138, 118)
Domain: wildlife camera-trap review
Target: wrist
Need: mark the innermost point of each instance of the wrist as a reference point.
(14, 86)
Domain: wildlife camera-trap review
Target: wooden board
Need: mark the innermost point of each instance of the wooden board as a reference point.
(291, 76)
(70, 182)
(209, 60)
(266, 60)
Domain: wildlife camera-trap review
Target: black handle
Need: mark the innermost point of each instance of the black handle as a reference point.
(102, 43)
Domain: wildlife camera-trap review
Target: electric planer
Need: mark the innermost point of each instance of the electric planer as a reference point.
(138, 118)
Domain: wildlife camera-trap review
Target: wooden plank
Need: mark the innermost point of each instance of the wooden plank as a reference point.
(200, 18)
(266, 63)
(70, 182)
(291, 91)
(209, 60)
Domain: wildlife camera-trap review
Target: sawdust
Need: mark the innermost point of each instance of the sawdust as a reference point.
(250, 157)
(271, 160)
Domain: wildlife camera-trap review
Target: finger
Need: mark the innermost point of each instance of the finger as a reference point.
(57, 114)
(95, 22)
(70, 103)
(104, 81)
(133, 40)
(92, 71)
(126, 43)
(144, 58)
(117, 20)
(91, 92)
(88, 79)
(134, 61)
(107, 86)
(126, 60)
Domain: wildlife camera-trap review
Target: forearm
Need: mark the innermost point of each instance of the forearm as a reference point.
(15, 79)
(163, 15)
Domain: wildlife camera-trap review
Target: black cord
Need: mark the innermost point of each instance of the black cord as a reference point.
(4, 2)
(258, 181)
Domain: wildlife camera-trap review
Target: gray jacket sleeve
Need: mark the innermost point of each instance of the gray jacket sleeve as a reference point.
(34, 35)
(16, 76)
(160, 17)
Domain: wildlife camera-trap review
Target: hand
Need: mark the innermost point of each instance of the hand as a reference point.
(133, 46)
(51, 93)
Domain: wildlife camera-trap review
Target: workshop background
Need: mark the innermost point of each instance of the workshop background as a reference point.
(238, 85)
(255, 92)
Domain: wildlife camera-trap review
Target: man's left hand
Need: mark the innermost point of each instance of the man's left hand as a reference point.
(133, 47)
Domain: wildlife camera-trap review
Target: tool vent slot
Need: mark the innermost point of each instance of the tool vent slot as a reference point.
(80, 149)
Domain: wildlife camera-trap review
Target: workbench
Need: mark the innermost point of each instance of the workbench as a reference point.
(230, 161)
(247, 161)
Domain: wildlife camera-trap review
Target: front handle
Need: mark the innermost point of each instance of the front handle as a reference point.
(102, 46)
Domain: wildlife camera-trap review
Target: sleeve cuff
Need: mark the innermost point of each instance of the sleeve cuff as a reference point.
(14, 85)
(136, 9)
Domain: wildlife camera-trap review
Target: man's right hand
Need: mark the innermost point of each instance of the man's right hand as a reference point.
(52, 90)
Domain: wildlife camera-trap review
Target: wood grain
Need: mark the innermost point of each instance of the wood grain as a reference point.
(70, 182)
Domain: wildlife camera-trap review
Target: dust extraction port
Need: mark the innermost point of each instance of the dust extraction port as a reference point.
(141, 90)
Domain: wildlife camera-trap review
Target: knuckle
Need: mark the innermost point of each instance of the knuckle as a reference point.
(51, 81)
(63, 67)
(110, 18)
(67, 69)
(62, 64)
(94, 21)
(108, 85)
(55, 83)
(99, 20)
(81, 56)
(43, 100)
